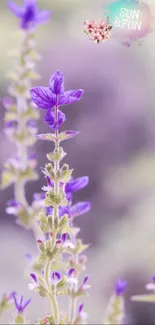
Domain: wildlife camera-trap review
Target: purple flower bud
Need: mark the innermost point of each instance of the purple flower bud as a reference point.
(80, 308)
(64, 237)
(85, 280)
(50, 119)
(34, 277)
(71, 271)
(56, 83)
(120, 287)
(55, 277)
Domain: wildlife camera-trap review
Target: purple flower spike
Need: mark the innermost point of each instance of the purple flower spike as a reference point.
(20, 305)
(29, 14)
(48, 97)
(79, 209)
(153, 278)
(76, 184)
(50, 119)
(71, 271)
(56, 83)
(120, 287)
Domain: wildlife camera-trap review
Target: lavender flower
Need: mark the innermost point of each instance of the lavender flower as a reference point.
(120, 287)
(19, 303)
(29, 14)
(48, 97)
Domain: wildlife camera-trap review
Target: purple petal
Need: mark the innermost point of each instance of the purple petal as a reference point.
(11, 295)
(120, 287)
(43, 16)
(63, 238)
(19, 12)
(43, 97)
(13, 203)
(34, 277)
(71, 96)
(70, 272)
(56, 83)
(56, 276)
(14, 296)
(85, 280)
(39, 196)
(79, 209)
(80, 308)
(50, 119)
(153, 278)
(63, 210)
(26, 303)
(77, 184)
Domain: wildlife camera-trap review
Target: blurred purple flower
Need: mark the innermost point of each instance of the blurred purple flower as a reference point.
(120, 287)
(20, 305)
(47, 97)
(55, 277)
(76, 184)
(29, 13)
(53, 122)
(79, 209)
(13, 207)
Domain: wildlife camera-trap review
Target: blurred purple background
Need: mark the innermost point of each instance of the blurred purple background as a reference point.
(115, 148)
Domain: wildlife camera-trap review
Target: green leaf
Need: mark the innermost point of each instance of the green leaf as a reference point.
(6, 179)
(62, 282)
(46, 136)
(144, 298)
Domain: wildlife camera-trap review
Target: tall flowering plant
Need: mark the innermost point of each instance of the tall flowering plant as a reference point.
(21, 114)
(57, 223)
(58, 269)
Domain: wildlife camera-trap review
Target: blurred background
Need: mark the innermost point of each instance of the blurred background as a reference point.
(115, 148)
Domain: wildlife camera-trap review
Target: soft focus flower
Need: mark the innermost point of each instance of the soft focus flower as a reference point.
(19, 303)
(151, 286)
(29, 14)
(13, 207)
(47, 97)
(120, 287)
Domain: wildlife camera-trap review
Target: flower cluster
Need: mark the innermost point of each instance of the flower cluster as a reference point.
(56, 224)
(21, 114)
(98, 32)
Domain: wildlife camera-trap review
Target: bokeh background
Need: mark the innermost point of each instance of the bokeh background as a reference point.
(116, 149)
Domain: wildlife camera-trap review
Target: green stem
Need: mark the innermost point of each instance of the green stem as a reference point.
(55, 307)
